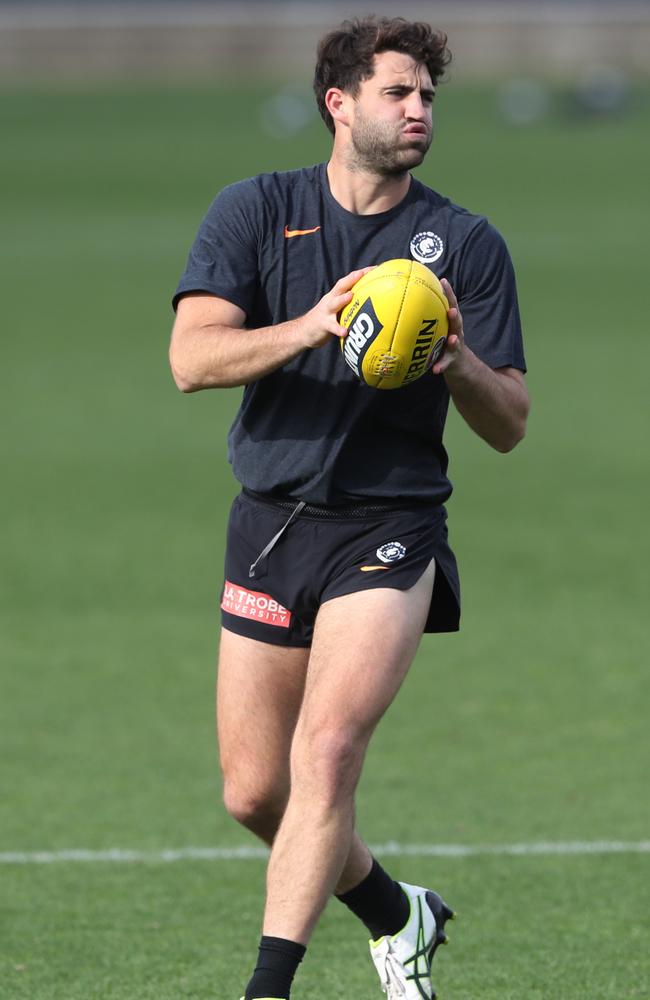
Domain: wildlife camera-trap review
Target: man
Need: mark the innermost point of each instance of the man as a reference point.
(340, 527)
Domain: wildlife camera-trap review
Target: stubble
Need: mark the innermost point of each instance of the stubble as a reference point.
(380, 147)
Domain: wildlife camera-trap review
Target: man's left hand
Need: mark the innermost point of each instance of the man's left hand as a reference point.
(455, 345)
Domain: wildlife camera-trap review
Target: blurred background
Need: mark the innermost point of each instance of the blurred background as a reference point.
(146, 38)
(119, 123)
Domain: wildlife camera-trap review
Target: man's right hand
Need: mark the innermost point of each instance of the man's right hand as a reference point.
(322, 322)
(210, 347)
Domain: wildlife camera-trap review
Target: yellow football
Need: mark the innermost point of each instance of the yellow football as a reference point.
(397, 324)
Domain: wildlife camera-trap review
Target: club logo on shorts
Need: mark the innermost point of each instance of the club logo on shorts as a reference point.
(427, 247)
(391, 552)
(245, 603)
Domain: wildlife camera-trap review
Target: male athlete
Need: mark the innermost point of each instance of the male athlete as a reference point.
(337, 558)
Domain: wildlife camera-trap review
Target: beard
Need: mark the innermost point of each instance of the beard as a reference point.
(380, 147)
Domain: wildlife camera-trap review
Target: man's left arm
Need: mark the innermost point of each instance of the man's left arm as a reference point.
(493, 401)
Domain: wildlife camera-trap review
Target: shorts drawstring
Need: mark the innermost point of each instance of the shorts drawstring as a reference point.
(267, 548)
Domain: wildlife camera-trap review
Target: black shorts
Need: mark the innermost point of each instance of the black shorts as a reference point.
(325, 553)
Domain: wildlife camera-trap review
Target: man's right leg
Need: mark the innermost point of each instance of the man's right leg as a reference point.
(259, 693)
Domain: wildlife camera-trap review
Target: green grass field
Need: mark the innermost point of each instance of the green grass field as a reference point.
(530, 725)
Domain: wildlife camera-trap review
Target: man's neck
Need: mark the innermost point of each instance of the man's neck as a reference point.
(365, 193)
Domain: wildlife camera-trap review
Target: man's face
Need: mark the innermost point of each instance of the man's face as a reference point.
(391, 116)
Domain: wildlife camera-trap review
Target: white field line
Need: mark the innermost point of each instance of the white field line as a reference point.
(391, 849)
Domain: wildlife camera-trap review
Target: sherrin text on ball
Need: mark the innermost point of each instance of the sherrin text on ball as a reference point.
(397, 324)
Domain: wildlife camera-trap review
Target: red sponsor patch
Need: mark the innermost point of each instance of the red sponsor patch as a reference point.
(244, 603)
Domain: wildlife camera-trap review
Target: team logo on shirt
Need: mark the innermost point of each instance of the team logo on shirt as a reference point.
(427, 247)
(391, 552)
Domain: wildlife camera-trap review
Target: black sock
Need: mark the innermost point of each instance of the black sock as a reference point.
(379, 902)
(277, 962)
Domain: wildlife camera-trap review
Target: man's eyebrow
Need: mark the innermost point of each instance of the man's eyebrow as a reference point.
(407, 87)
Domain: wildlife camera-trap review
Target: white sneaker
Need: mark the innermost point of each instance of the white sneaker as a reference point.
(404, 960)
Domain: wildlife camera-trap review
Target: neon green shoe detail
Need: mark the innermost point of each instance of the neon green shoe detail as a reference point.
(403, 961)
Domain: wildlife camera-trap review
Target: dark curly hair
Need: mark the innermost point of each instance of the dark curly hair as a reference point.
(345, 55)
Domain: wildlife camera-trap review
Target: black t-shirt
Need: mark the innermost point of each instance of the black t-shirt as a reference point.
(274, 245)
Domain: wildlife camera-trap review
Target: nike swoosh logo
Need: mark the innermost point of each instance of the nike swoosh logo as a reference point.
(288, 233)
(369, 569)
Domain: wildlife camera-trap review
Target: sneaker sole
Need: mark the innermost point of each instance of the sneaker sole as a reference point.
(441, 914)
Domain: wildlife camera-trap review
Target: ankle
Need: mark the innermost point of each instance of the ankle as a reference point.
(277, 962)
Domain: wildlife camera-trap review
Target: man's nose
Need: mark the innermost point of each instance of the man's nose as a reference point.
(415, 107)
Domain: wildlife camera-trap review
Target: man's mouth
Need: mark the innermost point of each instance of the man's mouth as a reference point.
(416, 131)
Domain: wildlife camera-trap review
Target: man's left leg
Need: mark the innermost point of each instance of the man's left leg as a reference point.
(363, 646)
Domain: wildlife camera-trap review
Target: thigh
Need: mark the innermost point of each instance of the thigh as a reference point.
(259, 692)
(364, 644)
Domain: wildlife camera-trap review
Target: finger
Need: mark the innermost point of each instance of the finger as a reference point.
(336, 328)
(441, 366)
(341, 300)
(362, 271)
(449, 292)
(453, 313)
(452, 347)
(348, 280)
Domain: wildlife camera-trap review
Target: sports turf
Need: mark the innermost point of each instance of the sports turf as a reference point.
(530, 725)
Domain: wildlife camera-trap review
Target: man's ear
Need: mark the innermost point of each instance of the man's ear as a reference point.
(336, 102)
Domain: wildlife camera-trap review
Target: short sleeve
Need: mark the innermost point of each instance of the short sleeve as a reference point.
(223, 260)
(487, 296)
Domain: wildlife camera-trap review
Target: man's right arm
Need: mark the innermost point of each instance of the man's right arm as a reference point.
(210, 347)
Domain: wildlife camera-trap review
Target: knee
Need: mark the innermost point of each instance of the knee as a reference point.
(328, 762)
(257, 808)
